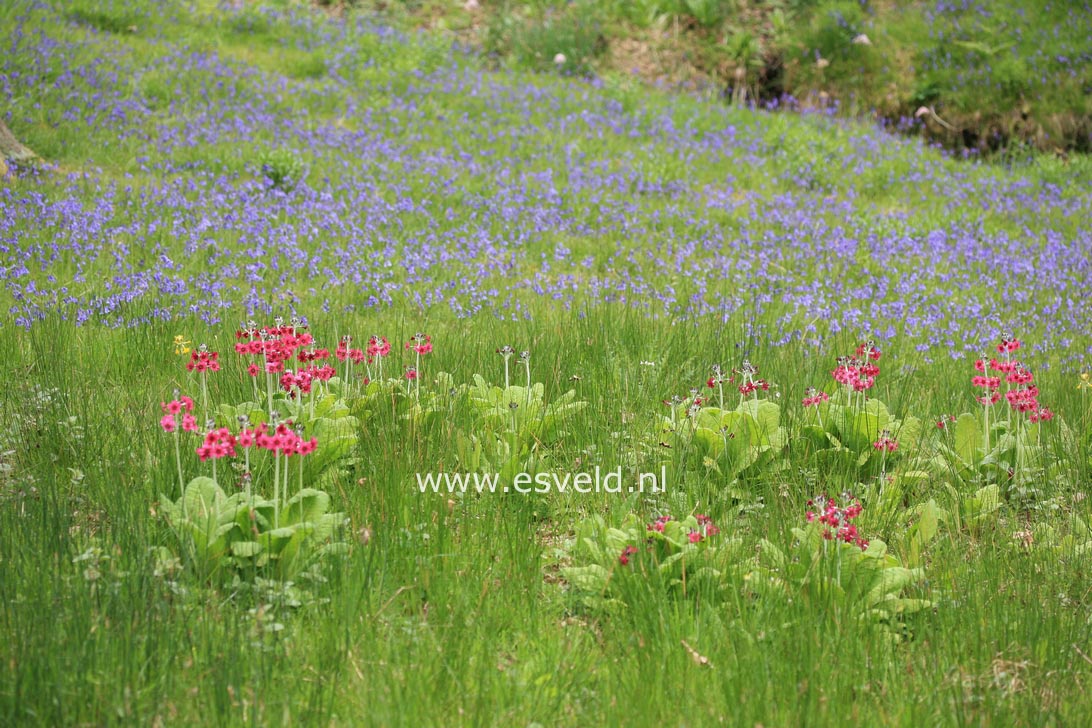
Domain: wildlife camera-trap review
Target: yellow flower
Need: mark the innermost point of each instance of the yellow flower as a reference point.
(1086, 381)
(181, 346)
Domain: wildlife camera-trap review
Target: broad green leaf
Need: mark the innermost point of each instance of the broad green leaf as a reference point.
(923, 531)
(967, 439)
(246, 549)
(202, 499)
(306, 505)
(592, 578)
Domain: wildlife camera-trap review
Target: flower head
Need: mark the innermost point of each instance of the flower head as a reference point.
(420, 343)
(378, 346)
(835, 518)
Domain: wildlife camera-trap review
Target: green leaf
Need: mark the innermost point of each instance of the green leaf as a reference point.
(891, 582)
(202, 500)
(307, 505)
(865, 431)
(766, 417)
(592, 578)
(967, 439)
(246, 549)
(336, 439)
(923, 531)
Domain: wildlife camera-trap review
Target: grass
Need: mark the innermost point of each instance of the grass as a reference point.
(445, 611)
(449, 195)
(996, 75)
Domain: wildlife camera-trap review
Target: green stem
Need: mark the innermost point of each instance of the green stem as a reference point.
(269, 390)
(986, 428)
(276, 489)
(178, 464)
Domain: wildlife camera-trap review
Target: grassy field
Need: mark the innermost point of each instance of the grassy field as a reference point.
(702, 293)
(992, 77)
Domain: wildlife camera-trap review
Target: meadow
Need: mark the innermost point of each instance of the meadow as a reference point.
(281, 262)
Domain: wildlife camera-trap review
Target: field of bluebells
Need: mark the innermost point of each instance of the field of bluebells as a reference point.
(282, 262)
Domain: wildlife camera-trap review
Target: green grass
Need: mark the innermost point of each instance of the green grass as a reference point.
(444, 615)
(455, 611)
(999, 74)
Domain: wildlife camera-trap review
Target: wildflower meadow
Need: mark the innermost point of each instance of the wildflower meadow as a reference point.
(350, 379)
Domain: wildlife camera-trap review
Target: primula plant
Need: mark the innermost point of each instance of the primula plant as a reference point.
(1001, 442)
(731, 445)
(272, 523)
(830, 566)
(850, 434)
(512, 428)
(685, 557)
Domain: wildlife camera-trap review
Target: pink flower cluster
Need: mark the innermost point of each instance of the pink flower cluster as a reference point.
(754, 386)
(283, 439)
(1022, 395)
(814, 397)
(300, 381)
(858, 372)
(718, 378)
(343, 351)
(276, 346)
(312, 354)
(705, 529)
(626, 553)
(420, 343)
(836, 518)
(379, 346)
(203, 360)
(181, 406)
(885, 442)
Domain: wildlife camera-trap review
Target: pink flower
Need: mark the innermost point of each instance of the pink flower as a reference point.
(628, 551)
(863, 384)
(1043, 414)
(885, 443)
(167, 423)
(189, 423)
(420, 343)
(378, 346)
(868, 350)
